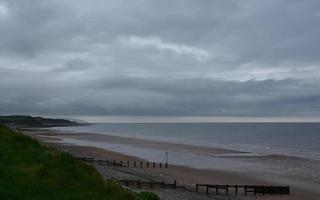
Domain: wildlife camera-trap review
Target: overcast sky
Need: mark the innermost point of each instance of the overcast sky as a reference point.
(160, 57)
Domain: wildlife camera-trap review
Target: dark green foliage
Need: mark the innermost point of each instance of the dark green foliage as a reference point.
(31, 171)
(148, 196)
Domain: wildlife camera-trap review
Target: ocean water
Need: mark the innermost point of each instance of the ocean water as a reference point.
(300, 141)
(293, 139)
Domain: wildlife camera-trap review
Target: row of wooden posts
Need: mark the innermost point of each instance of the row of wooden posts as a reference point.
(225, 189)
(253, 189)
(150, 184)
(126, 163)
(247, 189)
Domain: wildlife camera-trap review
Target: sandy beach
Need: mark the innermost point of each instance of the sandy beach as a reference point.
(299, 173)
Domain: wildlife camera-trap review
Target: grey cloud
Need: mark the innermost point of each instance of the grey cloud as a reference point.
(159, 96)
(36, 26)
(67, 57)
(72, 65)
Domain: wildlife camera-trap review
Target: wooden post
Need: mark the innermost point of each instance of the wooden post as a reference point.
(141, 164)
(236, 187)
(139, 184)
(160, 165)
(196, 187)
(174, 184)
(245, 190)
(114, 163)
(207, 189)
(217, 189)
(120, 163)
(148, 164)
(254, 190)
(227, 189)
(134, 164)
(167, 157)
(154, 165)
(166, 165)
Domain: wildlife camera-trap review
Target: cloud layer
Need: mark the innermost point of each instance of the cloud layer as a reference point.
(161, 58)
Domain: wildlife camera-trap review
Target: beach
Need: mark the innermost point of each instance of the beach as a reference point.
(227, 166)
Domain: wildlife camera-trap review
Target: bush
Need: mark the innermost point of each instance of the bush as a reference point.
(148, 196)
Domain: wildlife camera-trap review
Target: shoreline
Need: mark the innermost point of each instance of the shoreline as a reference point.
(183, 174)
(255, 148)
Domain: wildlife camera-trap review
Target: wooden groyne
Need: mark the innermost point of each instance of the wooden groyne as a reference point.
(150, 184)
(219, 189)
(247, 189)
(207, 188)
(125, 163)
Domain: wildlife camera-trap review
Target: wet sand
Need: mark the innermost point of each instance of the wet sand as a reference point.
(183, 174)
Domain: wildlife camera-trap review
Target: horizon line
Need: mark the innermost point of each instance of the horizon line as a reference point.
(193, 119)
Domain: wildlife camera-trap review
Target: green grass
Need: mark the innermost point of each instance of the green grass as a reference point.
(31, 171)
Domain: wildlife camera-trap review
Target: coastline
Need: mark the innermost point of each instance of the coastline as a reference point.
(183, 174)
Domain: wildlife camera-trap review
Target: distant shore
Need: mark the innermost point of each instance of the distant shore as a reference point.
(300, 189)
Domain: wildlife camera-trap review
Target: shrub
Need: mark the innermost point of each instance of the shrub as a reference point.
(148, 196)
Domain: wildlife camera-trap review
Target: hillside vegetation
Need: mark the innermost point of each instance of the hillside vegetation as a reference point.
(31, 171)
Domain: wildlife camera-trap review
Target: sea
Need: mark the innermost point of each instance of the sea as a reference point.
(288, 153)
(290, 139)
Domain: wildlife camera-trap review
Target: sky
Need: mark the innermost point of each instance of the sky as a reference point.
(160, 58)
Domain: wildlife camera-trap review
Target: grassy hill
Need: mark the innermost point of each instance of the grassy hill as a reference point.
(34, 121)
(31, 171)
